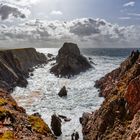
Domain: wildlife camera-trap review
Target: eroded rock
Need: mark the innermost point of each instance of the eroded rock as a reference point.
(69, 61)
(117, 117)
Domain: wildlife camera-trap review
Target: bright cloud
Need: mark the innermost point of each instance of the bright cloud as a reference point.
(95, 32)
(56, 13)
(131, 3)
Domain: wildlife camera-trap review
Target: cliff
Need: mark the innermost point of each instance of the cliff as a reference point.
(119, 116)
(16, 64)
(15, 124)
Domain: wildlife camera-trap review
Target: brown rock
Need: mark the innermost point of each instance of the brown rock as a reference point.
(118, 116)
(132, 95)
(69, 61)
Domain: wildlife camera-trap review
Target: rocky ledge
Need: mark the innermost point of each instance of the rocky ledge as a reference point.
(119, 116)
(15, 124)
(69, 61)
(16, 64)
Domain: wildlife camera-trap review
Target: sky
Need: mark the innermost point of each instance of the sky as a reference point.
(89, 23)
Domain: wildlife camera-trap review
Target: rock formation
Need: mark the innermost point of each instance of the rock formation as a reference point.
(56, 125)
(16, 64)
(15, 124)
(63, 92)
(119, 115)
(69, 61)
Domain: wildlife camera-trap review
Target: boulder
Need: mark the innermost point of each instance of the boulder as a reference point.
(63, 92)
(56, 125)
(69, 61)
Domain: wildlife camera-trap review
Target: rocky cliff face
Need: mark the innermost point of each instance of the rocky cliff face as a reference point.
(16, 64)
(69, 61)
(15, 124)
(119, 115)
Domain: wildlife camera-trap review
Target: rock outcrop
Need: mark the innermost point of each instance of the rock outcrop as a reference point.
(56, 125)
(15, 124)
(119, 115)
(63, 92)
(16, 64)
(69, 61)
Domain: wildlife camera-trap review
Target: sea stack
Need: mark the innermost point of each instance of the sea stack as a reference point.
(69, 61)
(119, 115)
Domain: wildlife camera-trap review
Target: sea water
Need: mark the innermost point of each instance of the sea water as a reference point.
(41, 94)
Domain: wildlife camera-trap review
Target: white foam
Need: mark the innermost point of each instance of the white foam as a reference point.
(41, 93)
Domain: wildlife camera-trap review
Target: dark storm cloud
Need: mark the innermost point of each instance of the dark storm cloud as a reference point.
(7, 10)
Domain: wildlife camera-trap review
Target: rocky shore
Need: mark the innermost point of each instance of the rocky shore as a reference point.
(15, 124)
(119, 116)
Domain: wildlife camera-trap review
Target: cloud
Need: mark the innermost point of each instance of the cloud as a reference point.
(134, 14)
(86, 32)
(9, 10)
(56, 13)
(124, 18)
(131, 3)
(21, 2)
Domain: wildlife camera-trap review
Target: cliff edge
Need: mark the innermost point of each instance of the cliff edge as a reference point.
(119, 116)
(16, 64)
(15, 124)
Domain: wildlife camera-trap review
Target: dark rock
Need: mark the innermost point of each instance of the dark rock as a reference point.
(36, 114)
(75, 136)
(31, 74)
(63, 92)
(67, 119)
(69, 61)
(56, 125)
(64, 118)
(61, 116)
(50, 55)
(16, 64)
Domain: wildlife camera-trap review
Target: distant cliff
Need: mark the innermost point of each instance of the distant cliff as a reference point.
(16, 64)
(119, 116)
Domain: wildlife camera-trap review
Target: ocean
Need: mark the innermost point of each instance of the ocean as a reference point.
(41, 94)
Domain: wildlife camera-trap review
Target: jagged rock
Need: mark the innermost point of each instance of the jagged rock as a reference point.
(69, 61)
(56, 125)
(16, 64)
(63, 92)
(117, 117)
(50, 55)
